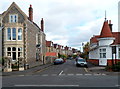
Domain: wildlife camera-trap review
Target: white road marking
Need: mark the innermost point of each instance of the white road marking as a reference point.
(54, 74)
(60, 72)
(21, 75)
(46, 85)
(96, 74)
(70, 74)
(45, 75)
(103, 74)
(88, 74)
(117, 85)
(79, 74)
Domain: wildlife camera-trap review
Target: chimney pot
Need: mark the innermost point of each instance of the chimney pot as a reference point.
(109, 21)
(30, 5)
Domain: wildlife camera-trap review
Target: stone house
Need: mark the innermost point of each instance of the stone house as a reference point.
(23, 40)
(0, 36)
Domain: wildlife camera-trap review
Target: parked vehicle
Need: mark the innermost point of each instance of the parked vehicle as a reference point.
(81, 62)
(58, 61)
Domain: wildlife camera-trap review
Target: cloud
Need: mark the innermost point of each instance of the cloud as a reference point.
(69, 22)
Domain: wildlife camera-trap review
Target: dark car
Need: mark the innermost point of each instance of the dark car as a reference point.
(58, 61)
(81, 62)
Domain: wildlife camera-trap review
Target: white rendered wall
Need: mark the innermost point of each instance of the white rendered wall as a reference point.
(105, 41)
(119, 16)
(94, 54)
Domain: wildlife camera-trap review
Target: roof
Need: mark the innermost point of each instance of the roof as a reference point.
(117, 38)
(48, 43)
(53, 54)
(94, 39)
(106, 32)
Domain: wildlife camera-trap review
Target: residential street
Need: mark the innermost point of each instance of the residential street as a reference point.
(67, 75)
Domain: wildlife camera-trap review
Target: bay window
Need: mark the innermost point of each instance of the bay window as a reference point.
(12, 34)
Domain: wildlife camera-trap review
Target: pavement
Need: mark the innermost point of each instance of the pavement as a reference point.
(91, 68)
(28, 71)
(100, 69)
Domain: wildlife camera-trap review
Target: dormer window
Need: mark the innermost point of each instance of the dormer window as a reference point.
(13, 18)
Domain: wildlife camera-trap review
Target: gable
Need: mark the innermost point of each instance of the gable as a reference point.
(14, 9)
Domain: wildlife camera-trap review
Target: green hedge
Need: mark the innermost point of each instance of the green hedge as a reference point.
(116, 67)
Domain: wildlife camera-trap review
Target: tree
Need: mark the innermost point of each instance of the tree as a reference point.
(86, 49)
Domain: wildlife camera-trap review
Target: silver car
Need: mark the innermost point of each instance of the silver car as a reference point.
(81, 62)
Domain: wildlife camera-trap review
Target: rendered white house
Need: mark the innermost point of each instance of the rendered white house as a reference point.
(105, 48)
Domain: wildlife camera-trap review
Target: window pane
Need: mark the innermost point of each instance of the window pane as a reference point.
(13, 49)
(19, 34)
(19, 49)
(11, 19)
(100, 55)
(19, 54)
(104, 55)
(8, 49)
(8, 53)
(14, 55)
(119, 52)
(15, 18)
(104, 50)
(9, 34)
(14, 33)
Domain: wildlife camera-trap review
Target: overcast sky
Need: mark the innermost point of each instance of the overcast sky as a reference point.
(69, 22)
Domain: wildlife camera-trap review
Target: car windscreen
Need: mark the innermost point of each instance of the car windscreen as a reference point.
(81, 60)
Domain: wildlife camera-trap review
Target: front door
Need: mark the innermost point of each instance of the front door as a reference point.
(102, 62)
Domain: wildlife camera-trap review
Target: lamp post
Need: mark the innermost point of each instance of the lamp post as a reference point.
(113, 52)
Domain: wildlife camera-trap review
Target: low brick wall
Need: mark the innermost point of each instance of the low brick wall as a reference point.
(94, 61)
(109, 62)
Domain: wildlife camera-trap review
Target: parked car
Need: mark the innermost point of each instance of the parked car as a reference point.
(81, 62)
(58, 61)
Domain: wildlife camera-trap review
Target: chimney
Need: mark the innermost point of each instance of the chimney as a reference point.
(42, 25)
(110, 25)
(31, 13)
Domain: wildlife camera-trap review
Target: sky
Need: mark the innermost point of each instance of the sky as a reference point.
(69, 22)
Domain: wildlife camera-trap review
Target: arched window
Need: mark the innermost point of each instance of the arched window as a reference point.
(13, 49)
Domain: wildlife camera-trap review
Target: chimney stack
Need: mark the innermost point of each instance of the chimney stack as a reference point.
(110, 25)
(42, 25)
(31, 13)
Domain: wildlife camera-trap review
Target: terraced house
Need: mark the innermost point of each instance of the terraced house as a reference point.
(23, 40)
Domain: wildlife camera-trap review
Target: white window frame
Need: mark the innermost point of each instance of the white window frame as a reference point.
(118, 52)
(13, 18)
(102, 51)
(18, 34)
